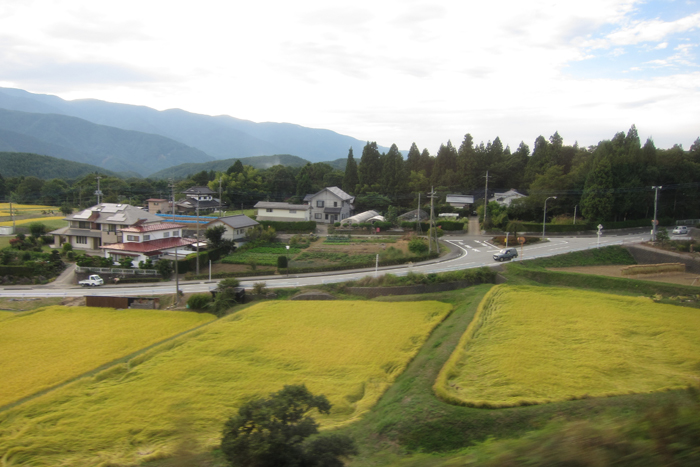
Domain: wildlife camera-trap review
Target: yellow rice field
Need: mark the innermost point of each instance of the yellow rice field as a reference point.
(182, 392)
(21, 209)
(530, 345)
(51, 345)
(29, 221)
(6, 314)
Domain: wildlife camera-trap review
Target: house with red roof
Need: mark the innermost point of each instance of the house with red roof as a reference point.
(144, 241)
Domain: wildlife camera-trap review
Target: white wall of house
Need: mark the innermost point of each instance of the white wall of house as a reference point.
(282, 215)
(230, 233)
(138, 237)
(327, 199)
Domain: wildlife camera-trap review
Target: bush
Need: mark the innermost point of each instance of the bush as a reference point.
(199, 301)
(417, 245)
(304, 226)
(281, 262)
(260, 288)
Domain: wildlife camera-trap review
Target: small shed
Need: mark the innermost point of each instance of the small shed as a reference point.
(150, 303)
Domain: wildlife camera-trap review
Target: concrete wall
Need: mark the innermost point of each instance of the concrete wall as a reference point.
(648, 255)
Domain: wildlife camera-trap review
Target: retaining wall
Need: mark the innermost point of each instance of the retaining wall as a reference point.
(648, 255)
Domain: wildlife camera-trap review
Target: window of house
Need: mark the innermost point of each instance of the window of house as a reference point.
(83, 225)
(81, 240)
(292, 211)
(326, 216)
(319, 204)
(268, 210)
(176, 233)
(335, 204)
(146, 237)
(166, 234)
(317, 215)
(132, 238)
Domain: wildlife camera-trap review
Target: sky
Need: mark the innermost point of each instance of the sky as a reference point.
(423, 71)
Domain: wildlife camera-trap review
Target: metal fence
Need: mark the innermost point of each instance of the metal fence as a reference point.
(125, 272)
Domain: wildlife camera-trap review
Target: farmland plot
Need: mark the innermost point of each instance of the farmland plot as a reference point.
(530, 345)
(49, 346)
(183, 391)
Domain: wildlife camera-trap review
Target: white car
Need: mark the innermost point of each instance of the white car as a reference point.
(680, 230)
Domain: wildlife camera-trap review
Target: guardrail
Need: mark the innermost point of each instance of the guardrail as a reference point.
(125, 272)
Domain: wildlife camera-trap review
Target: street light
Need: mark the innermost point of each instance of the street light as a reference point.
(656, 202)
(544, 220)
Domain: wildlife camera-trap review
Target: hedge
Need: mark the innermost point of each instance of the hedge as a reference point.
(303, 226)
(609, 225)
(19, 271)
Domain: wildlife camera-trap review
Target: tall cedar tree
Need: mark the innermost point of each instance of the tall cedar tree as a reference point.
(350, 179)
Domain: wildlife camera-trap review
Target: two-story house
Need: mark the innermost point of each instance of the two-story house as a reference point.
(198, 197)
(159, 205)
(330, 205)
(100, 225)
(143, 241)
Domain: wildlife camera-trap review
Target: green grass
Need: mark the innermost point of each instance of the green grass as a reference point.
(610, 255)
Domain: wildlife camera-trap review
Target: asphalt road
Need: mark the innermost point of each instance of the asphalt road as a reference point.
(467, 252)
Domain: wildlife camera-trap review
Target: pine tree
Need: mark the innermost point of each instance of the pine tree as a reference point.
(350, 179)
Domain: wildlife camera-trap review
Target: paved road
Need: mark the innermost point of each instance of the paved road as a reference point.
(467, 252)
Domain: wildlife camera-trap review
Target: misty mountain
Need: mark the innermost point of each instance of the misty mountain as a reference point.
(223, 137)
(83, 141)
(18, 164)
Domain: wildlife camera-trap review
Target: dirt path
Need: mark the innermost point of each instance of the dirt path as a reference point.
(616, 271)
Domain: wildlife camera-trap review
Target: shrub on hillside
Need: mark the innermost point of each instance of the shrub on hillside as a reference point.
(417, 245)
(199, 301)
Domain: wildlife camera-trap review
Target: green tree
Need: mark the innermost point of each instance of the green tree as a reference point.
(597, 199)
(236, 168)
(215, 235)
(165, 268)
(273, 432)
(37, 229)
(393, 178)
(350, 179)
(370, 168)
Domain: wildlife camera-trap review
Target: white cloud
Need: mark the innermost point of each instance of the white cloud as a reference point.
(392, 71)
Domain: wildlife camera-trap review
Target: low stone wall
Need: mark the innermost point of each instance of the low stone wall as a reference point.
(648, 255)
(371, 292)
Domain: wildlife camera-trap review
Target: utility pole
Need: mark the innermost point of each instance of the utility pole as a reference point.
(656, 202)
(177, 278)
(98, 192)
(220, 205)
(486, 198)
(418, 219)
(433, 229)
(197, 234)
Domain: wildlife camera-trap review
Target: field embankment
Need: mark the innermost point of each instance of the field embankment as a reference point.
(533, 345)
(49, 346)
(184, 390)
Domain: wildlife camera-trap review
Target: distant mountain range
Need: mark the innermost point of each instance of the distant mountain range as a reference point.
(140, 139)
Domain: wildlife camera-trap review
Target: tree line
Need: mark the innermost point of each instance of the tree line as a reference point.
(610, 181)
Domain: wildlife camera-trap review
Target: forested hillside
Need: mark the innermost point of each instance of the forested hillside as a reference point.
(18, 164)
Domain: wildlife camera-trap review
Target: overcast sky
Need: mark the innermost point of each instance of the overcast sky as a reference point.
(387, 71)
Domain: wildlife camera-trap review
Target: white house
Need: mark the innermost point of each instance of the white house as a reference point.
(236, 226)
(283, 212)
(198, 197)
(504, 199)
(153, 241)
(330, 205)
(101, 224)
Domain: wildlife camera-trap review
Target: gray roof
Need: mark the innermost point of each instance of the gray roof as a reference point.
(236, 222)
(110, 213)
(272, 205)
(462, 199)
(77, 232)
(336, 191)
(199, 190)
(412, 215)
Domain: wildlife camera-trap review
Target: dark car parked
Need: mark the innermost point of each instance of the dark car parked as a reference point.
(506, 254)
